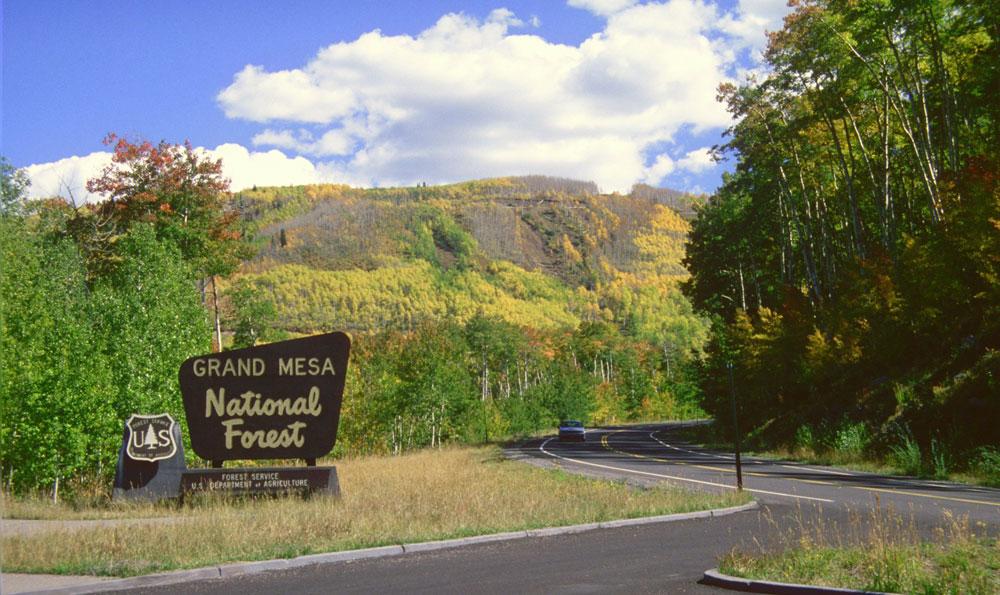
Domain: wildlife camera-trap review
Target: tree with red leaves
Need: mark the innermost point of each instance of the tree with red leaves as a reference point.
(179, 190)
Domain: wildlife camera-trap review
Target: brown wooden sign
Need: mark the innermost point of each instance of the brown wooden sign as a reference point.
(276, 401)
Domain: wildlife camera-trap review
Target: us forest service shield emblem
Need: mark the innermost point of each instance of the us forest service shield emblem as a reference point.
(150, 437)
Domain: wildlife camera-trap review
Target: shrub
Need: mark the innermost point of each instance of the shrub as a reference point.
(906, 454)
(852, 439)
(804, 438)
(940, 459)
(986, 464)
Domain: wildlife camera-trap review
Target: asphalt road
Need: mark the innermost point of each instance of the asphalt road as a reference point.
(656, 453)
(658, 558)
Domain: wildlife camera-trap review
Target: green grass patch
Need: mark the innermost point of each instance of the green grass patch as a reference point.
(426, 495)
(878, 551)
(968, 566)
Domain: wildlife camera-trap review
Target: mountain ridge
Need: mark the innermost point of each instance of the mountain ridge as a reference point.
(535, 251)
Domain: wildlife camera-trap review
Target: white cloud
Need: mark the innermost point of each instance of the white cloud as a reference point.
(504, 17)
(68, 177)
(751, 19)
(696, 161)
(333, 142)
(601, 7)
(472, 98)
(270, 168)
(662, 167)
(283, 139)
(469, 98)
(301, 98)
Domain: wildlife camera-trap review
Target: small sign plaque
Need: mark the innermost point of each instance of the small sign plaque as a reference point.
(150, 437)
(276, 401)
(257, 480)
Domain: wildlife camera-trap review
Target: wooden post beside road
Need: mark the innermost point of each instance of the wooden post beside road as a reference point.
(736, 429)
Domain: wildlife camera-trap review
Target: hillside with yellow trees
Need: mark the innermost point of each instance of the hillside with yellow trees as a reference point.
(537, 252)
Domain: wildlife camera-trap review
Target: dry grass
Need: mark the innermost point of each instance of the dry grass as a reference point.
(882, 551)
(416, 497)
(41, 508)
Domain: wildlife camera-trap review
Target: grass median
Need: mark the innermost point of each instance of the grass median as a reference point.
(883, 552)
(427, 495)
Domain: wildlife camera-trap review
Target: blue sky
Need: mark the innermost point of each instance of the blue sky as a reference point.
(379, 93)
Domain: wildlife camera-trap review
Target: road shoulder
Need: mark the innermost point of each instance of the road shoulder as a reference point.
(734, 583)
(21, 584)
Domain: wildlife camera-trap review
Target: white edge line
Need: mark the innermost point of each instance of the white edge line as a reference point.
(915, 486)
(710, 454)
(763, 461)
(541, 447)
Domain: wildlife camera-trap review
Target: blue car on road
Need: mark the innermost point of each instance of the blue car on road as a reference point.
(571, 429)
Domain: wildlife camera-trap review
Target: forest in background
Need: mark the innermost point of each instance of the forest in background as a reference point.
(479, 311)
(539, 252)
(851, 262)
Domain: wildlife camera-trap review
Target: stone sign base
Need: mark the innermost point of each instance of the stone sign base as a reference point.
(145, 480)
(261, 480)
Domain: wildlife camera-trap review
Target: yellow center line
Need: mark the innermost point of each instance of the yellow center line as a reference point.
(886, 490)
(816, 481)
(920, 495)
(607, 445)
(604, 442)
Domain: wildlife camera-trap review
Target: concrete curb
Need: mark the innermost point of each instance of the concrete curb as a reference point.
(716, 579)
(247, 568)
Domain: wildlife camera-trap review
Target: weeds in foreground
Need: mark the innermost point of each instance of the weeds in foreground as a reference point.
(905, 454)
(940, 459)
(986, 464)
(879, 551)
(438, 494)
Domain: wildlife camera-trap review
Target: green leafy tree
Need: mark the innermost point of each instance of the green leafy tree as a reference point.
(252, 315)
(14, 185)
(149, 317)
(853, 249)
(180, 192)
(57, 420)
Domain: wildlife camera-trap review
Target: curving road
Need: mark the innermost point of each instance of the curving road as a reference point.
(657, 558)
(653, 453)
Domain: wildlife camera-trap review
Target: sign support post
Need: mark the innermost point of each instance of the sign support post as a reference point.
(736, 429)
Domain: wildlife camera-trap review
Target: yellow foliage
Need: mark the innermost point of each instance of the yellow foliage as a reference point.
(608, 405)
(570, 251)
(368, 259)
(398, 295)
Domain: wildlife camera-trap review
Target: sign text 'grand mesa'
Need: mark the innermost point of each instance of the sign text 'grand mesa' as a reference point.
(257, 366)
